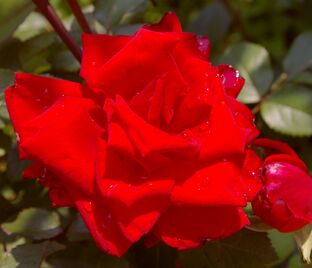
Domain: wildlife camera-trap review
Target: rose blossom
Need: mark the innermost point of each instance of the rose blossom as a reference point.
(153, 144)
(285, 200)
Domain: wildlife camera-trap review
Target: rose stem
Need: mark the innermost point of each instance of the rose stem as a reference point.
(79, 16)
(47, 10)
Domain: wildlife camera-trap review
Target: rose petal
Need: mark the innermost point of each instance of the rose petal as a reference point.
(99, 49)
(138, 219)
(215, 185)
(145, 138)
(252, 172)
(60, 153)
(103, 228)
(141, 60)
(272, 147)
(222, 138)
(188, 227)
(31, 95)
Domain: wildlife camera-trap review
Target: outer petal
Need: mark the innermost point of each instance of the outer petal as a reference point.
(31, 95)
(188, 227)
(273, 147)
(103, 228)
(98, 49)
(59, 153)
(216, 185)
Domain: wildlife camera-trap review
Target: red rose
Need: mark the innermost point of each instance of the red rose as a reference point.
(285, 200)
(154, 142)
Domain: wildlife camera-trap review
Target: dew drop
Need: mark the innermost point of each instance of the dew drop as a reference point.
(186, 133)
(17, 137)
(46, 91)
(204, 127)
(237, 74)
(88, 206)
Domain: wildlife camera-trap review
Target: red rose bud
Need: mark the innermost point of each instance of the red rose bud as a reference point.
(285, 200)
(153, 143)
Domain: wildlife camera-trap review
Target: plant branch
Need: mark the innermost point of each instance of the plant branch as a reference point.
(277, 84)
(80, 17)
(47, 10)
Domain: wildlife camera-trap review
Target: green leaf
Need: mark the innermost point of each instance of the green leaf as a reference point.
(257, 225)
(65, 61)
(283, 243)
(111, 12)
(33, 25)
(6, 259)
(303, 238)
(304, 78)
(213, 21)
(84, 255)
(78, 231)
(15, 166)
(6, 79)
(35, 52)
(32, 255)
(244, 249)
(254, 65)
(12, 14)
(35, 223)
(299, 57)
(158, 256)
(289, 111)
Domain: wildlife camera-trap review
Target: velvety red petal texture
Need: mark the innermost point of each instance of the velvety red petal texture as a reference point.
(188, 227)
(154, 143)
(219, 183)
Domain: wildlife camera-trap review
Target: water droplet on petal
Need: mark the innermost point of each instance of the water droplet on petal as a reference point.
(17, 137)
(46, 91)
(204, 127)
(88, 206)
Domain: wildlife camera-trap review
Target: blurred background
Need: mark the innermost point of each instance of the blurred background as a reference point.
(269, 41)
